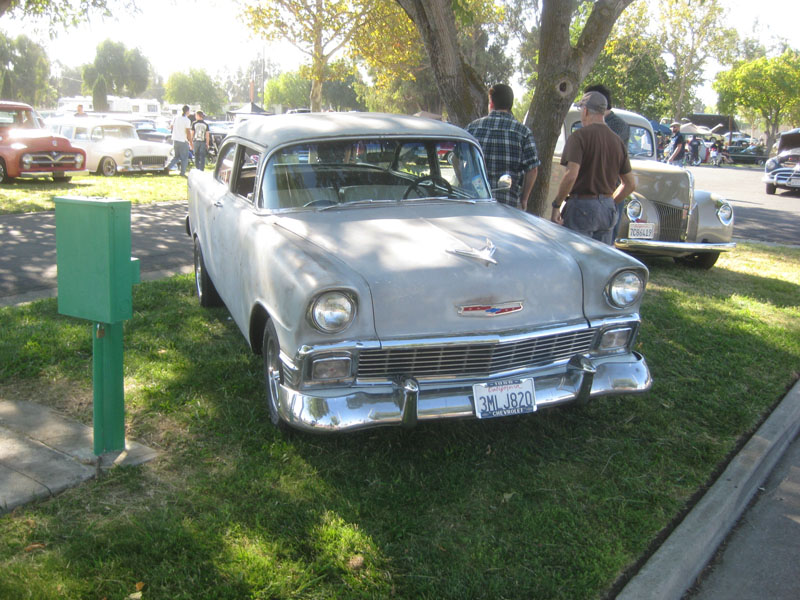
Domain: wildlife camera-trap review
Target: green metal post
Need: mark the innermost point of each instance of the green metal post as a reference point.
(109, 388)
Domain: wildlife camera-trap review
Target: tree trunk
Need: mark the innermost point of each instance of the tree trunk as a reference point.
(562, 69)
(462, 91)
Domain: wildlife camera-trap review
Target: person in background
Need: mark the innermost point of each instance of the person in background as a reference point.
(596, 159)
(676, 145)
(79, 112)
(508, 148)
(180, 140)
(200, 137)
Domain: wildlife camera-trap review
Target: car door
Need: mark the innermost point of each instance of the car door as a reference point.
(231, 214)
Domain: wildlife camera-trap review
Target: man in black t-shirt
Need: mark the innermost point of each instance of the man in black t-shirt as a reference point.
(200, 140)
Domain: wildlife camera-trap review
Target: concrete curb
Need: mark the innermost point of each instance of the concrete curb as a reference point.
(672, 570)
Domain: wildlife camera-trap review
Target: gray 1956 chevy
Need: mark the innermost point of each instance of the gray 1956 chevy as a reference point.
(364, 257)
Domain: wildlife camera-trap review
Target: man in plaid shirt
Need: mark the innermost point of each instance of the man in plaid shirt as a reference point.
(508, 147)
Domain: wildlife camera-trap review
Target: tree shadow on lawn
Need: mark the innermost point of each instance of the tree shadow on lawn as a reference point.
(557, 504)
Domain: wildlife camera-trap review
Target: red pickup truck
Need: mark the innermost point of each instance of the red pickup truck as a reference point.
(27, 149)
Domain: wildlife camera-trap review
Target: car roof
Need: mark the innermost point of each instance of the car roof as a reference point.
(631, 118)
(12, 104)
(276, 130)
(789, 140)
(88, 121)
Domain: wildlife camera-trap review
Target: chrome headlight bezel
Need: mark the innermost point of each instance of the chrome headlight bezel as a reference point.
(625, 289)
(79, 160)
(634, 210)
(128, 154)
(332, 311)
(771, 165)
(27, 160)
(725, 213)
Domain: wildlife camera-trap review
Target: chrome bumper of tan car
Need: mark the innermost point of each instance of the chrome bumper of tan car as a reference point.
(671, 248)
(409, 401)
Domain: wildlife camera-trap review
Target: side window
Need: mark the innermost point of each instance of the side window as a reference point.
(640, 144)
(81, 133)
(97, 134)
(245, 183)
(225, 164)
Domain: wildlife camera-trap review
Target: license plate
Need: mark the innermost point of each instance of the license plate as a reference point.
(644, 231)
(504, 398)
(795, 181)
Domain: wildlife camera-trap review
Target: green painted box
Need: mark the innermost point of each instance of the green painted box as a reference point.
(95, 270)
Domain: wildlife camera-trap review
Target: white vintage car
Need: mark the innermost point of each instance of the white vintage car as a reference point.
(385, 286)
(112, 146)
(666, 215)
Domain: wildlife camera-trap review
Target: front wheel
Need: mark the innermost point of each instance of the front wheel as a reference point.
(107, 168)
(700, 260)
(206, 292)
(273, 373)
(771, 189)
(4, 178)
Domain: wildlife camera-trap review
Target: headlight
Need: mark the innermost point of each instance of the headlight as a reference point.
(772, 163)
(128, 153)
(725, 213)
(625, 289)
(79, 160)
(332, 312)
(634, 210)
(27, 160)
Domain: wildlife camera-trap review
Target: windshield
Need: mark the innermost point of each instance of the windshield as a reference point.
(18, 117)
(340, 172)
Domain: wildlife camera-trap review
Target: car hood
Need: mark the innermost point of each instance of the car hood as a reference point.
(42, 139)
(788, 141)
(427, 269)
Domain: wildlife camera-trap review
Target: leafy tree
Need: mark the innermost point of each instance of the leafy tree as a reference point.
(59, 13)
(25, 75)
(318, 28)
(100, 94)
(769, 87)
(288, 89)
(127, 72)
(631, 66)
(237, 85)
(67, 80)
(691, 32)
(195, 87)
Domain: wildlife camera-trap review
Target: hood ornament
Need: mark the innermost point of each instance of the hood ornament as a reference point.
(484, 254)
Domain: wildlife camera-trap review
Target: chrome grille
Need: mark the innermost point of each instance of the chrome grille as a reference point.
(472, 360)
(46, 160)
(671, 219)
(150, 161)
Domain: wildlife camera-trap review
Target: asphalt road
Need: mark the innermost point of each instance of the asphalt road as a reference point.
(28, 249)
(757, 216)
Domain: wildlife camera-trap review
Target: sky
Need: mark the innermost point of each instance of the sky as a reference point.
(166, 32)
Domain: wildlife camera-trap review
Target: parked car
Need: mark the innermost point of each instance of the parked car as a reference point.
(665, 216)
(748, 154)
(783, 170)
(27, 149)
(383, 286)
(112, 146)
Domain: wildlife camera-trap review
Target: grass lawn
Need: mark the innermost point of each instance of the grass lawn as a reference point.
(560, 504)
(35, 195)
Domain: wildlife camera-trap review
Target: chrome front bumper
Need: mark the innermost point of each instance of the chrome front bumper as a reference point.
(408, 402)
(671, 248)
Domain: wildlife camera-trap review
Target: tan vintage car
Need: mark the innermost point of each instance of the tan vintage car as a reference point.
(666, 215)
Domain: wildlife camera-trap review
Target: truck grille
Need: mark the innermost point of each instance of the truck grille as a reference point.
(53, 160)
(672, 227)
(478, 360)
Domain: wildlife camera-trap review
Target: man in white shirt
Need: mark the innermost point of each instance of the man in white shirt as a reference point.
(180, 140)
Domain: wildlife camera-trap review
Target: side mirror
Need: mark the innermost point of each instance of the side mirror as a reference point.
(504, 183)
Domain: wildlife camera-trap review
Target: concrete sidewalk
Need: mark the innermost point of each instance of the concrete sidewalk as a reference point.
(43, 453)
(675, 566)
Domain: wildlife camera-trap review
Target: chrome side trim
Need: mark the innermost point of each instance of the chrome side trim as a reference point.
(678, 248)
